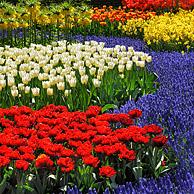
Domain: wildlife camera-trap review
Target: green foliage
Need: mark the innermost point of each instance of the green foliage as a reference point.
(99, 3)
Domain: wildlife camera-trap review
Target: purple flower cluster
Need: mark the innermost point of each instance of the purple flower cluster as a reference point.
(172, 107)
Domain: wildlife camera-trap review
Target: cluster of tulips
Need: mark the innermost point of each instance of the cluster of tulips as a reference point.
(157, 5)
(167, 31)
(51, 147)
(73, 74)
(120, 15)
(35, 23)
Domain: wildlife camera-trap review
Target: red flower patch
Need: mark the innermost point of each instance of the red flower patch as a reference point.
(52, 137)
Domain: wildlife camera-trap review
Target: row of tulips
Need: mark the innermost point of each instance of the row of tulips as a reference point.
(164, 32)
(107, 19)
(119, 15)
(158, 5)
(75, 75)
(52, 148)
(33, 23)
(20, 26)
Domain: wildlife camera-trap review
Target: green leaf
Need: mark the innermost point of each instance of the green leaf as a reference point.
(28, 188)
(108, 106)
(137, 171)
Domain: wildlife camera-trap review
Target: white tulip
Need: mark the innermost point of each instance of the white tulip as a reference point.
(101, 44)
(14, 87)
(72, 73)
(2, 83)
(99, 77)
(68, 77)
(2, 76)
(61, 86)
(129, 65)
(140, 63)
(35, 91)
(27, 89)
(135, 58)
(121, 62)
(88, 63)
(59, 69)
(21, 86)
(72, 82)
(41, 76)
(33, 74)
(67, 92)
(121, 68)
(93, 43)
(123, 48)
(59, 78)
(92, 71)
(82, 70)
(49, 91)
(46, 84)
(10, 81)
(14, 93)
(84, 79)
(100, 72)
(26, 78)
(96, 83)
(111, 65)
(105, 68)
(149, 59)
(53, 72)
(2, 61)
(46, 69)
(42, 63)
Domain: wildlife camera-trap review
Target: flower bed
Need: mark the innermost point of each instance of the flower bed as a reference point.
(78, 148)
(172, 107)
(161, 30)
(53, 150)
(75, 75)
(157, 5)
(164, 32)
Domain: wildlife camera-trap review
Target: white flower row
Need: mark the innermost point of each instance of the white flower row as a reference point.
(63, 65)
